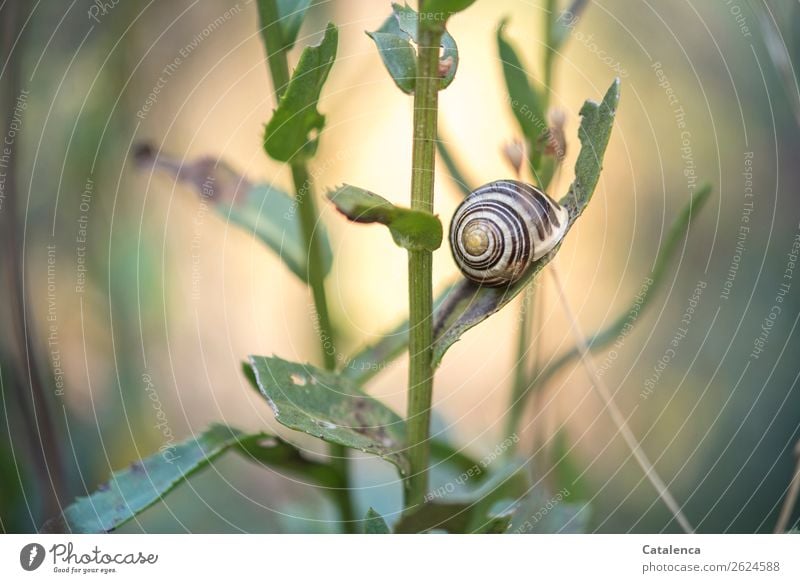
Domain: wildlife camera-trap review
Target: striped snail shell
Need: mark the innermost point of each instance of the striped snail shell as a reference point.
(501, 228)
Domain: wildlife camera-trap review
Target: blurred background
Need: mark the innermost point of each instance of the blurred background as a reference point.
(141, 304)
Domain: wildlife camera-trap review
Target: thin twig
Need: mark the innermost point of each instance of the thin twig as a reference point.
(616, 415)
(791, 496)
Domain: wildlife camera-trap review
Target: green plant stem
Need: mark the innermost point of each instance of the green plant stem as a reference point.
(307, 210)
(275, 46)
(420, 277)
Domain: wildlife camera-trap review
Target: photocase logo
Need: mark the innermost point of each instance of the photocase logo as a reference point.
(31, 556)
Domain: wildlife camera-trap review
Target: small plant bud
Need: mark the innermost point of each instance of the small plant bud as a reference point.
(444, 66)
(556, 145)
(514, 153)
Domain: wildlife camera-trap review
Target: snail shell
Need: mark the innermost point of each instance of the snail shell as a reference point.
(501, 228)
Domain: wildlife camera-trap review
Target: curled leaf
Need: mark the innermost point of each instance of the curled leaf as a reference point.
(469, 304)
(411, 229)
(394, 41)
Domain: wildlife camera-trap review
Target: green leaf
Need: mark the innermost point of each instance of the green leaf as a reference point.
(398, 56)
(446, 7)
(374, 523)
(523, 97)
(131, 491)
(271, 215)
(330, 407)
(291, 133)
(290, 15)
(486, 509)
(411, 229)
(455, 170)
(540, 512)
(599, 340)
(469, 304)
(394, 41)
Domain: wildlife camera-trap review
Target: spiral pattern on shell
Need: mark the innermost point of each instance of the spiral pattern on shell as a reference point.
(501, 228)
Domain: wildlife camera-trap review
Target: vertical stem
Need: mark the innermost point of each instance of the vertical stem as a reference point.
(307, 210)
(420, 279)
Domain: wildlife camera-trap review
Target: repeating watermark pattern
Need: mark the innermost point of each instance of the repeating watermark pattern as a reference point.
(316, 172)
(52, 323)
(760, 341)
(345, 361)
(570, 20)
(475, 470)
(101, 8)
(81, 238)
(679, 114)
(677, 338)
(14, 128)
(167, 450)
(207, 190)
(744, 227)
(627, 327)
(740, 19)
(544, 510)
(171, 68)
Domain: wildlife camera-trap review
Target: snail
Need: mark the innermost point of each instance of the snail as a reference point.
(501, 228)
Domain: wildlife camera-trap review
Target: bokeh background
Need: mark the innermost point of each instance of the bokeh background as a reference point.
(174, 294)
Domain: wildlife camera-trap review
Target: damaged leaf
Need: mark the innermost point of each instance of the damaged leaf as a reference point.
(330, 407)
(469, 304)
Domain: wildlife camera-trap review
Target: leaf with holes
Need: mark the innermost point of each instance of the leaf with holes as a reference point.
(330, 407)
(131, 491)
(410, 229)
(394, 41)
(291, 134)
(470, 304)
